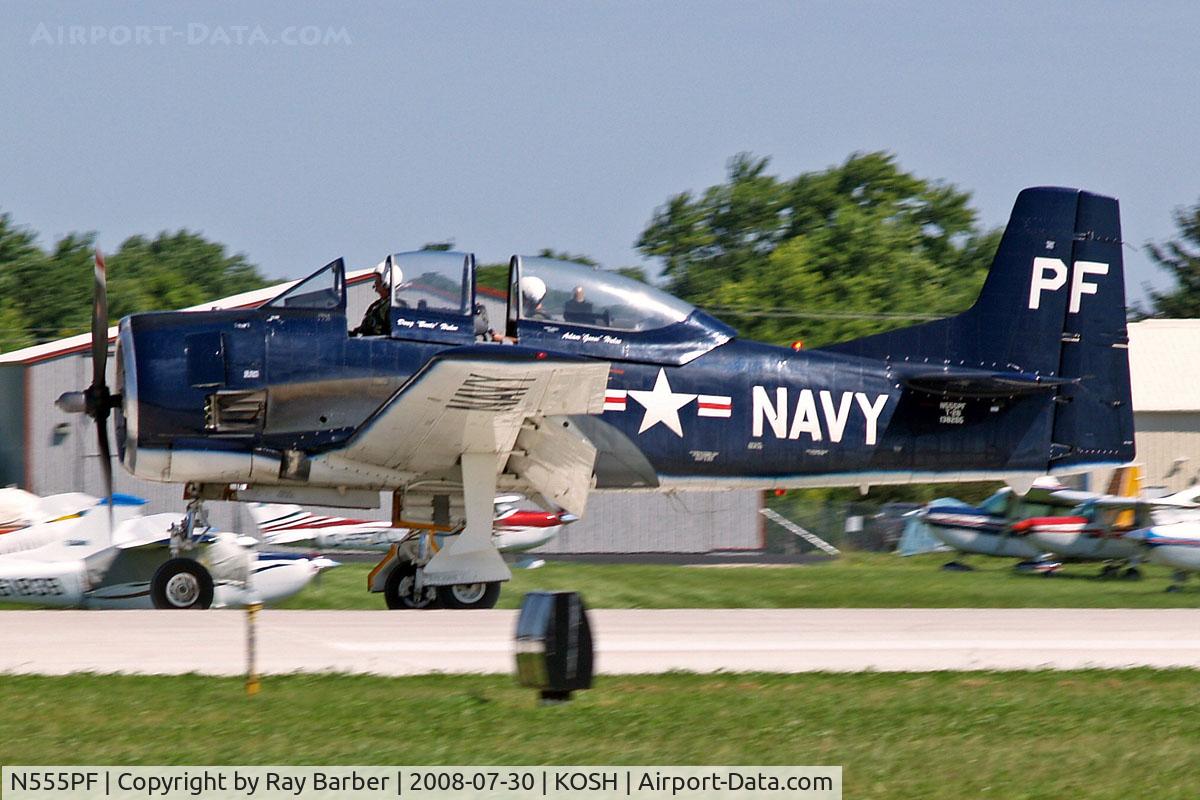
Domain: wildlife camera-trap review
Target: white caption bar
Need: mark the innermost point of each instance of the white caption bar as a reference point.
(420, 783)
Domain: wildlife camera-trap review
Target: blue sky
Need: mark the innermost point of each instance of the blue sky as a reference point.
(514, 126)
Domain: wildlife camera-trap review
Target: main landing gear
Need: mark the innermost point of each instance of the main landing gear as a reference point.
(1044, 565)
(1125, 570)
(405, 588)
(1178, 579)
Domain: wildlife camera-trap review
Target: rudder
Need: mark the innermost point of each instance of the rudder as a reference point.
(1093, 420)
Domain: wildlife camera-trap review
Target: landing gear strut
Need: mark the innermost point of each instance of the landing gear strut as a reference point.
(183, 533)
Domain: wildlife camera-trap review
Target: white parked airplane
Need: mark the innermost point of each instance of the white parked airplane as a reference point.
(399, 575)
(71, 552)
(514, 529)
(1174, 544)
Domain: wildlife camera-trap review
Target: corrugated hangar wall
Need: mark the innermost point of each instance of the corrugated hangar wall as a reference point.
(1168, 448)
(688, 522)
(61, 455)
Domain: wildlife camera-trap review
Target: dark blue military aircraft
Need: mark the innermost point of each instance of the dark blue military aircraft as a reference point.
(593, 382)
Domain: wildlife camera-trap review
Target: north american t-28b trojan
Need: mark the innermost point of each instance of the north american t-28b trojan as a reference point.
(595, 382)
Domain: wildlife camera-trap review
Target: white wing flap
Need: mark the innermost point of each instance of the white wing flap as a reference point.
(473, 406)
(556, 460)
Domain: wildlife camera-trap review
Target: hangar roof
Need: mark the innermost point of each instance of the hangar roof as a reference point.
(83, 342)
(1163, 355)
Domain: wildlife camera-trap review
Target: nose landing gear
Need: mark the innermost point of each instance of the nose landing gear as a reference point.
(182, 582)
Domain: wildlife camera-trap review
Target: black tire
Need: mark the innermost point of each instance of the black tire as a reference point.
(397, 590)
(181, 583)
(469, 596)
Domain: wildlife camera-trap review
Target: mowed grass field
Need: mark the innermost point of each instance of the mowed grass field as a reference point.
(856, 580)
(1091, 734)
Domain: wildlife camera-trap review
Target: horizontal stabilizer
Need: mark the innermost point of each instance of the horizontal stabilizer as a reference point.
(977, 382)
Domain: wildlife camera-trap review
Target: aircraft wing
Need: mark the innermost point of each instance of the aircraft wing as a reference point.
(1065, 497)
(1068, 498)
(1113, 501)
(494, 401)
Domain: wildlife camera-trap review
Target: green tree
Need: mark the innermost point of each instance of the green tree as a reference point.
(175, 270)
(54, 290)
(47, 295)
(20, 258)
(563, 255)
(1180, 257)
(14, 328)
(825, 256)
(636, 273)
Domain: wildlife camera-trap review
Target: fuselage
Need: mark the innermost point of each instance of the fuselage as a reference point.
(45, 578)
(1174, 545)
(514, 530)
(736, 413)
(1077, 537)
(72, 562)
(972, 530)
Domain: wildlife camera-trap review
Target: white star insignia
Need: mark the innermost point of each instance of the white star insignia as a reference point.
(661, 404)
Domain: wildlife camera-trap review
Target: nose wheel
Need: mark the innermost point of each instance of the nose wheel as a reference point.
(181, 583)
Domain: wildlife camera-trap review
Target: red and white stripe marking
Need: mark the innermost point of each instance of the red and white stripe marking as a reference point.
(614, 400)
(714, 405)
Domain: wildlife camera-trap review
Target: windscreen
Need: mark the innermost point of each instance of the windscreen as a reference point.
(319, 291)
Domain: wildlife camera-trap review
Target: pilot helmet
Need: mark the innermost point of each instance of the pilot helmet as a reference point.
(397, 276)
(533, 290)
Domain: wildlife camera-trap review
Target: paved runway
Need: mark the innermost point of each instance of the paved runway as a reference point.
(627, 641)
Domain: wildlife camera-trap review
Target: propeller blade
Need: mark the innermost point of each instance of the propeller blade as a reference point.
(99, 320)
(106, 464)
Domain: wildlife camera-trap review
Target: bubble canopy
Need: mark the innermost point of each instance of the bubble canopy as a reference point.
(431, 280)
(551, 290)
(574, 308)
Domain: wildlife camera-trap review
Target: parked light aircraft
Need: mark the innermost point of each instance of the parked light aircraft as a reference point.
(516, 531)
(75, 554)
(595, 382)
(1174, 544)
(1053, 522)
(984, 529)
